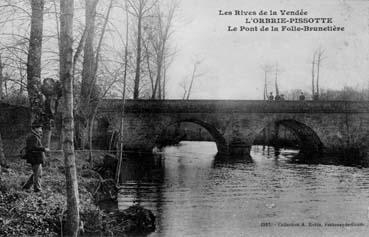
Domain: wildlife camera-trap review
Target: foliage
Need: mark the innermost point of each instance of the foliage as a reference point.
(24, 213)
(29, 214)
(345, 94)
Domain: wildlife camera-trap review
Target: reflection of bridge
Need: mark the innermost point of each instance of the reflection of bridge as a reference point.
(327, 126)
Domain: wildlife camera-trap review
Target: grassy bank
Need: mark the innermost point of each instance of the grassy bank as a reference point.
(25, 213)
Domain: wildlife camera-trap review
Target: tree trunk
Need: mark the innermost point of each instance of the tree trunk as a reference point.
(92, 116)
(5, 86)
(90, 134)
(89, 53)
(192, 79)
(152, 83)
(164, 26)
(164, 91)
(66, 25)
(160, 96)
(61, 138)
(21, 76)
(158, 75)
(1, 79)
(90, 131)
(184, 93)
(78, 52)
(87, 73)
(34, 60)
(317, 76)
(98, 49)
(313, 76)
(2, 155)
(276, 81)
(138, 56)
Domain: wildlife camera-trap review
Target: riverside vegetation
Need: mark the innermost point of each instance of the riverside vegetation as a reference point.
(25, 213)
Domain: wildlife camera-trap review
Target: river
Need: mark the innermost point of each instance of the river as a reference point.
(193, 193)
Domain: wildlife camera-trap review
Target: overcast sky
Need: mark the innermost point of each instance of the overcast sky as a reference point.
(231, 61)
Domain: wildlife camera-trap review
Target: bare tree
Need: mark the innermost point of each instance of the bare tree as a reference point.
(313, 75)
(66, 39)
(88, 69)
(96, 65)
(86, 44)
(89, 52)
(14, 65)
(195, 75)
(319, 61)
(159, 42)
(316, 64)
(139, 9)
(89, 93)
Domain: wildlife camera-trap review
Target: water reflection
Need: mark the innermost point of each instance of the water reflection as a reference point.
(141, 181)
(195, 193)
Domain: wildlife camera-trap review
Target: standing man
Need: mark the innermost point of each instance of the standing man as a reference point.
(271, 97)
(277, 97)
(35, 156)
(302, 96)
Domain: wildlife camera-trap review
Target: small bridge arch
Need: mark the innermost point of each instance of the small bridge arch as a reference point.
(219, 139)
(308, 138)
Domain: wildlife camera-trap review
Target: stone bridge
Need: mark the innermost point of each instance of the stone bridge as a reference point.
(321, 126)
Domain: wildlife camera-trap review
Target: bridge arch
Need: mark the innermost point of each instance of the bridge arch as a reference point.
(309, 140)
(220, 141)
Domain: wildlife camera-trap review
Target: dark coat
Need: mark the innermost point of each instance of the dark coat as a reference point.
(34, 149)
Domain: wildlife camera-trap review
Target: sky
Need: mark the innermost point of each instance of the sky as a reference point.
(231, 62)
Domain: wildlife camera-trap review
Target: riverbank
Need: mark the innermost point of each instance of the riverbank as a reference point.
(25, 213)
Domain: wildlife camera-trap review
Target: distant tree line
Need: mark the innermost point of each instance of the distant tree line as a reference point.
(345, 94)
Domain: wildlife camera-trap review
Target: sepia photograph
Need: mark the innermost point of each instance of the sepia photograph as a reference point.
(166, 118)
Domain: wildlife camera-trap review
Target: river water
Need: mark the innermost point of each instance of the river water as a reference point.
(193, 193)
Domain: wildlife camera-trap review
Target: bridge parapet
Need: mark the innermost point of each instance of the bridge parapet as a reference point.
(241, 106)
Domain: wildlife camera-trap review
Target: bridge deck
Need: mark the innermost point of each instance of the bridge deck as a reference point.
(230, 106)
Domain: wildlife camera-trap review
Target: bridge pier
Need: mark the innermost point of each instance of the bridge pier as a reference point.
(239, 149)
